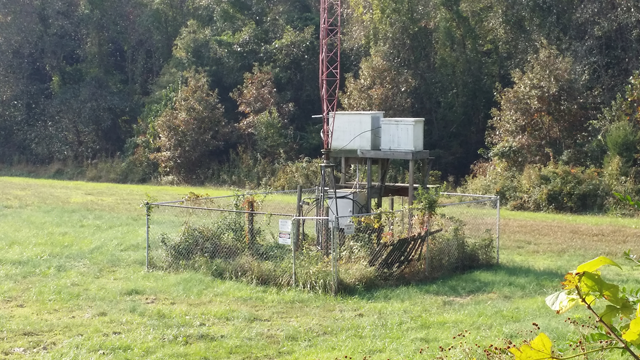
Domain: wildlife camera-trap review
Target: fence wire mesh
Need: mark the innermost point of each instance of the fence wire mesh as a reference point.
(409, 244)
(241, 237)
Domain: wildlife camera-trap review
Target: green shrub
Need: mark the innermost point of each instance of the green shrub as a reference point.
(491, 178)
(561, 188)
(615, 179)
(191, 131)
(450, 250)
(362, 243)
(118, 170)
(313, 271)
(304, 172)
(222, 250)
(223, 239)
(453, 251)
(555, 187)
(622, 142)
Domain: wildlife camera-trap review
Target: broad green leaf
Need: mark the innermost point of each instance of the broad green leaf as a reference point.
(627, 309)
(590, 299)
(538, 349)
(596, 337)
(624, 328)
(596, 263)
(609, 313)
(560, 302)
(627, 199)
(633, 334)
(593, 284)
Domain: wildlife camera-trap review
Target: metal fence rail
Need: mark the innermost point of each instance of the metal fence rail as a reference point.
(283, 238)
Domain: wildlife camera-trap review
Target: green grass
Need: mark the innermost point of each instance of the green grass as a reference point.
(73, 285)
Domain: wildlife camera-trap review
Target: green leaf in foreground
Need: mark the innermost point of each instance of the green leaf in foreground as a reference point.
(596, 263)
(594, 284)
(612, 312)
(633, 334)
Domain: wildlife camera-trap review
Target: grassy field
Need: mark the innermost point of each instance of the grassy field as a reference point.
(73, 286)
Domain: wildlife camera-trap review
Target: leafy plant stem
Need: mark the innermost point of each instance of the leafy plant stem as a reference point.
(599, 319)
(589, 352)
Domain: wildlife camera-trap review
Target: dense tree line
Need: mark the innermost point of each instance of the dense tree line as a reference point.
(192, 87)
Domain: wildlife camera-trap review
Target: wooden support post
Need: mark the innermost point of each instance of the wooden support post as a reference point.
(380, 187)
(250, 228)
(382, 179)
(426, 171)
(411, 169)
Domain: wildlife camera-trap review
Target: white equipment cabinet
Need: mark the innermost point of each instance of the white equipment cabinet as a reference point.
(402, 134)
(347, 203)
(356, 130)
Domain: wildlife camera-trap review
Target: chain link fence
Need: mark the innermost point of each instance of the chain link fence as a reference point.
(294, 238)
(408, 244)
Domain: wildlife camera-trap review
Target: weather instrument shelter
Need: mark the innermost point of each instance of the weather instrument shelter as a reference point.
(368, 136)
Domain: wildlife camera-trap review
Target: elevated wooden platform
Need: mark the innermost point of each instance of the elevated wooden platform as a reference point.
(383, 157)
(388, 189)
(394, 155)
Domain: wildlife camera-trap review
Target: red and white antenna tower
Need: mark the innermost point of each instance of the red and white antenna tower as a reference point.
(329, 66)
(329, 86)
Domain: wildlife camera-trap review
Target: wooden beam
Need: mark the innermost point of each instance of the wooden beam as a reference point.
(389, 189)
(411, 184)
(382, 179)
(426, 171)
(350, 184)
(397, 155)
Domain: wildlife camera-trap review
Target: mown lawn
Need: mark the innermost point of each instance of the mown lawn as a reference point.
(73, 285)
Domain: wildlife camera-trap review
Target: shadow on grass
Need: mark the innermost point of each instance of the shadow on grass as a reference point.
(501, 279)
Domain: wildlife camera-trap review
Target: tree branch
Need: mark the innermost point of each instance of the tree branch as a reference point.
(609, 329)
(589, 352)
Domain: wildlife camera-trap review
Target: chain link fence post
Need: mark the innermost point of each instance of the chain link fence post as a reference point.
(147, 207)
(294, 243)
(498, 231)
(295, 232)
(334, 256)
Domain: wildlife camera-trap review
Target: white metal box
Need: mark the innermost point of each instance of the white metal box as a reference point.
(346, 204)
(356, 130)
(403, 134)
